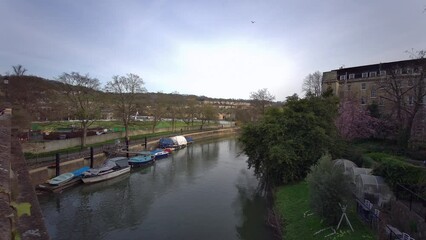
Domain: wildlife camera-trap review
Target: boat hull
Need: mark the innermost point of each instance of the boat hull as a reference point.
(106, 176)
(141, 164)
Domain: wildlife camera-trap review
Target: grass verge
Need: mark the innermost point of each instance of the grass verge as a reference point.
(292, 201)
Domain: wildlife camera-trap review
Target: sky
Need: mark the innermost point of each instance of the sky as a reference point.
(217, 49)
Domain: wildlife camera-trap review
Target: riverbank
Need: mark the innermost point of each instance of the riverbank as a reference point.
(292, 203)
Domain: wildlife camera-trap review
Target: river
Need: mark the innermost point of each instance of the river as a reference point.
(204, 191)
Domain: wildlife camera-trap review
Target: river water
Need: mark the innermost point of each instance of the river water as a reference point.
(204, 191)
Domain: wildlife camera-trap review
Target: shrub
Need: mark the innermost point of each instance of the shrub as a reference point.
(396, 171)
(328, 187)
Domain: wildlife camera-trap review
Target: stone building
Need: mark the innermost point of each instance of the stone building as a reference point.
(387, 84)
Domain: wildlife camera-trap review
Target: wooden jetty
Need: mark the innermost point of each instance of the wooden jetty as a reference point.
(58, 188)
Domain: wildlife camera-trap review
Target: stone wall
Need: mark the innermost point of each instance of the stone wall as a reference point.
(20, 213)
(5, 188)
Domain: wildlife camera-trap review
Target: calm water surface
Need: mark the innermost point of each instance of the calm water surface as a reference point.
(202, 192)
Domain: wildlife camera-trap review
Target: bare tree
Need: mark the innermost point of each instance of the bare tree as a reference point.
(125, 89)
(312, 84)
(157, 109)
(261, 99)
(82, 95)
(19, 70)
(405, 88)
(206, 114)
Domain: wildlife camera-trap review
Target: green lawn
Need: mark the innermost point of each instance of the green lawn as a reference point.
(112, 125)
(292, 202)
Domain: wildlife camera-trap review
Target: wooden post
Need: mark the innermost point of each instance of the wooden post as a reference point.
(57, 161)
(146, 143)
(91, 157)
(127, 148)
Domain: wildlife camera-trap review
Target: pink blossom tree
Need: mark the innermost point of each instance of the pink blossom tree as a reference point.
(355, 122)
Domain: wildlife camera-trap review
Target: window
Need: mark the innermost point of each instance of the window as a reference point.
(373, 74)
(362, 101)
(365, 75)
(398, 71)
(409, 71)
(363, 86)
(373, 92)
(410, 82)
(381, 101)
(342, 77)
(383, 73)
(351, 76)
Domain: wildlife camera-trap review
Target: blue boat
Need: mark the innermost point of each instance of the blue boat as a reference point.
(65, 177)
(189, 140)
(142, 159)
(159, 154)
(167, 143)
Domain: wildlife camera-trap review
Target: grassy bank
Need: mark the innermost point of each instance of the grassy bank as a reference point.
(116, 126)
(292, 202)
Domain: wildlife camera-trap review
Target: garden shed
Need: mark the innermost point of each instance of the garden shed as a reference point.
(372, 188)
(355, 171)
(345, 165)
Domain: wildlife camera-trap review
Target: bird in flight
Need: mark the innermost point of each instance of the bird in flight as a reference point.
(252, 21)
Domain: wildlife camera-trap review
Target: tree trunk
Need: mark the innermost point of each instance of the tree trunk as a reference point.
(126, 130)
(84, 135)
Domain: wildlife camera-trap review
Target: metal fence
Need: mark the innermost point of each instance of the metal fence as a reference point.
(413, 201)
(371, 216)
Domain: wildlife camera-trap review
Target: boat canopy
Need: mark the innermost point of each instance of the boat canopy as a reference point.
(180, 140)
(108, 165)
(166, 143)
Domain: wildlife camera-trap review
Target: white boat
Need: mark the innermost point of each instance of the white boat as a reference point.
(113, 167)
(106, 175)
(180, 141)
(63, 178)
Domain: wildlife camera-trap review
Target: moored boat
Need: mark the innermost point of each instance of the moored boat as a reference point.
(180, 141)
(142, 159)
(65, 177)
(159, 153)
(176, 142)
(113, 167)
(189, 140)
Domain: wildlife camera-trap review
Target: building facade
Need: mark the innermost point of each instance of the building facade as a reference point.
(389, 85)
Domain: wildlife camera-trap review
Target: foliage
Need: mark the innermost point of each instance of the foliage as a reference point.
(292, 202)
(312, 84)
(396, 171)
(354, 122)
(328, 187)
(287, 141)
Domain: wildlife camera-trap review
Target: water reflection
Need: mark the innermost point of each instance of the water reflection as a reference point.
(201, 192)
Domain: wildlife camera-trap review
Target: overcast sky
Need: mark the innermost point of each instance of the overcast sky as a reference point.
(211, 47)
